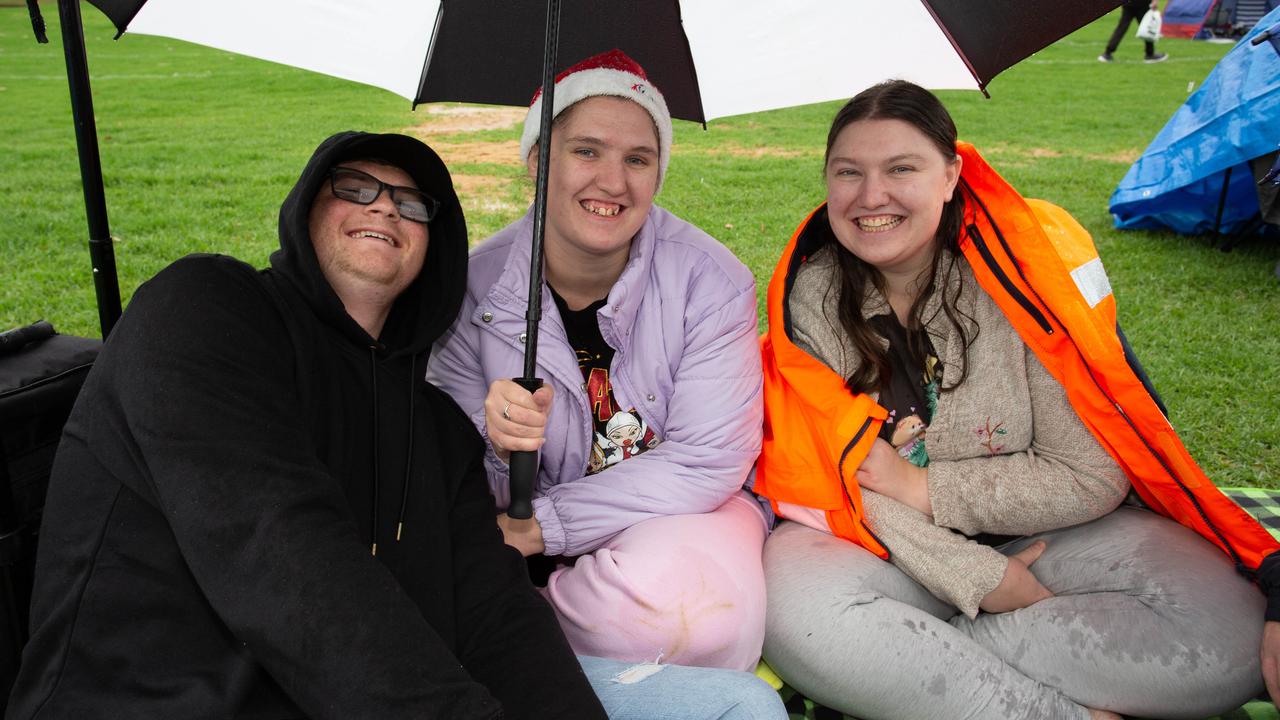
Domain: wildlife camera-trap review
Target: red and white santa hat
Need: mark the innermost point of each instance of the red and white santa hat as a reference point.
(610, 73)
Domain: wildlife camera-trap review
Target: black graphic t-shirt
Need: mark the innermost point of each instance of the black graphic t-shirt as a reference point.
(618, 434)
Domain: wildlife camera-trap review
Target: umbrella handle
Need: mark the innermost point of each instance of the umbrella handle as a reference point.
(524, 468)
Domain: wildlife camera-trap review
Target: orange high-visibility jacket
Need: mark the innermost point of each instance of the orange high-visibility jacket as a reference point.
(1041, 268)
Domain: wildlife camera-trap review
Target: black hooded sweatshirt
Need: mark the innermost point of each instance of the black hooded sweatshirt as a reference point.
(235, 454)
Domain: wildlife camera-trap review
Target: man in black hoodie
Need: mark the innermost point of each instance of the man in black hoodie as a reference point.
(260, 508)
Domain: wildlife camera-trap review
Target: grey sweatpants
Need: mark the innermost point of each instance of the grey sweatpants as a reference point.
(1148, 619)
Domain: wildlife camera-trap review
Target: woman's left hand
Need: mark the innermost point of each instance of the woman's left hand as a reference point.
(523, 535)
(891, 475)
(1271, 659)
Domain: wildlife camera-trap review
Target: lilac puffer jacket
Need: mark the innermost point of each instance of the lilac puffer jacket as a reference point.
(682, 319)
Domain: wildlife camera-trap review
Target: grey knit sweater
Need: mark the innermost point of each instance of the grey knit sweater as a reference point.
(1007, 454)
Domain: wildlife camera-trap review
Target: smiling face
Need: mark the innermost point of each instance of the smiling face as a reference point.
(626, 435)
(367, 249)
(604, 174)
(886, 186)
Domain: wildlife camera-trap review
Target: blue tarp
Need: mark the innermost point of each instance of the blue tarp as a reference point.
(1233, 118)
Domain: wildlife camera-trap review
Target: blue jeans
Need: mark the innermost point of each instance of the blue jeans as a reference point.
(679, 692)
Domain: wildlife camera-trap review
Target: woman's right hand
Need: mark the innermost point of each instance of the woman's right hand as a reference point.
(1019, 587)
(516, 419)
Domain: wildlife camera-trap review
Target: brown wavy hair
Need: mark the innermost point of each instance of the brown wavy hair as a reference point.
(919, 108)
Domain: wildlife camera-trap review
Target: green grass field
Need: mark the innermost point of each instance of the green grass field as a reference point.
(200, 146)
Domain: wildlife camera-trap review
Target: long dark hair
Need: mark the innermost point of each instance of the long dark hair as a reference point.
(912, 104)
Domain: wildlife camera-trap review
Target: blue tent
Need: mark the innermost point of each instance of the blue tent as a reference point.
(1206, 18)
(1184, 18)
(1195, 175)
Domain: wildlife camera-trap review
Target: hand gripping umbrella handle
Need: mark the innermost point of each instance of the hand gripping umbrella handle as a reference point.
(524, 468)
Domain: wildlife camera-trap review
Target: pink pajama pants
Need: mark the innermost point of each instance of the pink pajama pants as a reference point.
(687, 587)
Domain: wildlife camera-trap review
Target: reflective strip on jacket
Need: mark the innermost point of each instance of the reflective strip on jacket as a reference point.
(1041, 268)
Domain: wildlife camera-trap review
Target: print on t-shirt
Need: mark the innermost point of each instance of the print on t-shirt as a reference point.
(616, 434)
(619, 434)
(911, 394)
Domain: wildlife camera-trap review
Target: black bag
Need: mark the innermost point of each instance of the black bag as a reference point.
(40, 374)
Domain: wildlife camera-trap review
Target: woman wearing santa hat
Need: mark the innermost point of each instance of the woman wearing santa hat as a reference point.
(654, 544)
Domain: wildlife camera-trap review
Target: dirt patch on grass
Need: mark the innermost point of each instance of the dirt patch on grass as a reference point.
(752, 152)
(489, 194)
(1004, 151)
(1018, 156)
(1122, 157)
(455, 119)
(505, 152)
(467, 184)
(502, 191)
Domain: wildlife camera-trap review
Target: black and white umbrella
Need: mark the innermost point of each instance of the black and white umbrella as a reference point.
(711, 58)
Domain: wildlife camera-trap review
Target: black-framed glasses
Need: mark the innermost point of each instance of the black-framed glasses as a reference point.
(362, 188)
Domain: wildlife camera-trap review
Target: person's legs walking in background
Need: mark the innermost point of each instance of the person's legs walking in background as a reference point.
(1129, 13)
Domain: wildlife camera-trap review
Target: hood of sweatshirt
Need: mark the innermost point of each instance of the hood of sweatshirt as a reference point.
(429, 305)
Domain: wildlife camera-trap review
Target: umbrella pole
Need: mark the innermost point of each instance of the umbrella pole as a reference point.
(101, 252)
(524, 465)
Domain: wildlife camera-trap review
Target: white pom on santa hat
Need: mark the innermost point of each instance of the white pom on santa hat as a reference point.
(610, 73)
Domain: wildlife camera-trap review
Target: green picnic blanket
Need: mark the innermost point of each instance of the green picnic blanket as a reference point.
(1262, 504)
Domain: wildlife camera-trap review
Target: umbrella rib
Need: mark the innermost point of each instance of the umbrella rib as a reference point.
(431, 51)
(693, 67)
(982, 84)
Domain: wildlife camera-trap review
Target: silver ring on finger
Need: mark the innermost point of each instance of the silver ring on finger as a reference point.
(505, 408)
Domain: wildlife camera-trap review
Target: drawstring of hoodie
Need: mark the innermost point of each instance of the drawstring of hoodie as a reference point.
(373, 370)
(408, 461)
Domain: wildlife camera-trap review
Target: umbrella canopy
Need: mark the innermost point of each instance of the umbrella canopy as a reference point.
(740, 56)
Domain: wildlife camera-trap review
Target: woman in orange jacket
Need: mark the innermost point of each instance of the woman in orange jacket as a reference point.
(946, 389)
